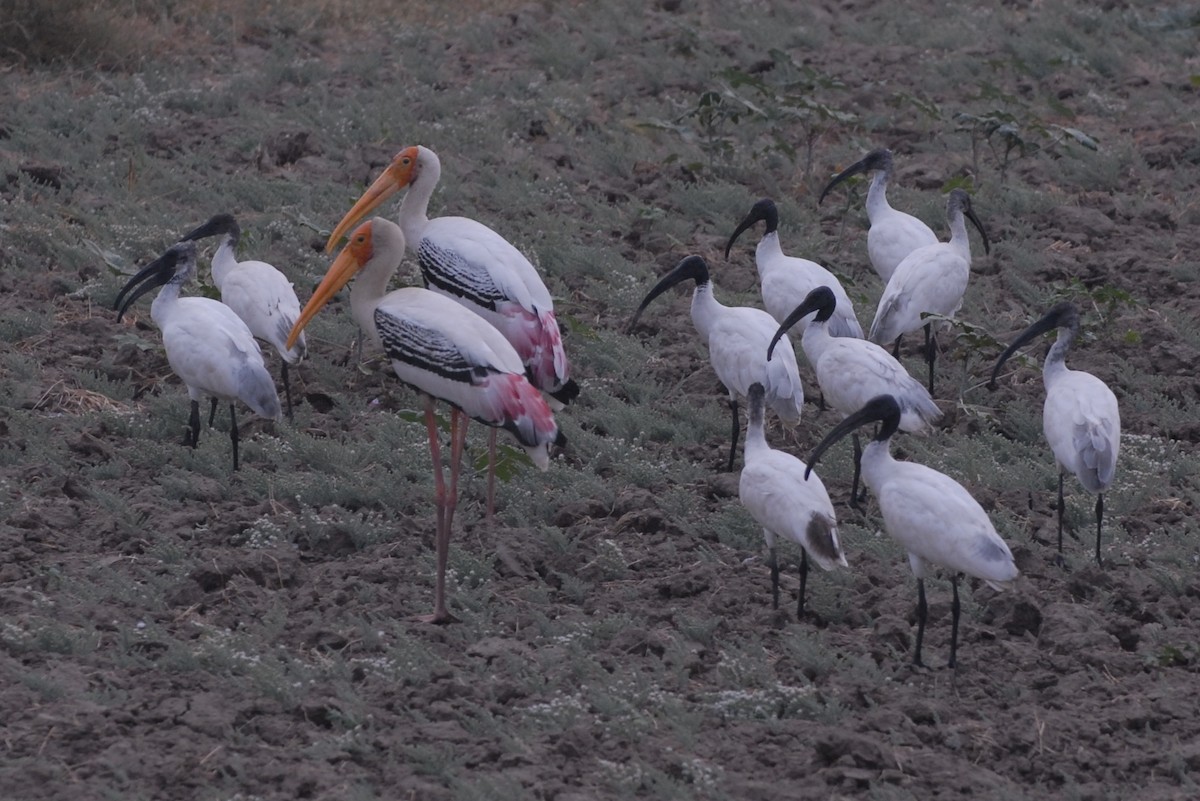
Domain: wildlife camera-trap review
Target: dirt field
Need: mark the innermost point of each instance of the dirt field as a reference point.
(169, 630)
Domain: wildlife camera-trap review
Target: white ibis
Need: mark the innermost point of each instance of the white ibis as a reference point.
(469, 262)
(773, 488)
(208, 346)
(893, 234)
(930, 514)
(852, 371)
(259, 293)
(445, 352)
(1080, 417)
(930, 280)
(787, 280)
(737, 339)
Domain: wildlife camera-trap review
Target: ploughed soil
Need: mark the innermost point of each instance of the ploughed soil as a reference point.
(127, 668)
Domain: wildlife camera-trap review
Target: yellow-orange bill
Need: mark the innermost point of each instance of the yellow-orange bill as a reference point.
(348, 262)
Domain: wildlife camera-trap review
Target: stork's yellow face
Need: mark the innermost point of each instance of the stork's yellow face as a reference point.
(396, 176)
(353, 257)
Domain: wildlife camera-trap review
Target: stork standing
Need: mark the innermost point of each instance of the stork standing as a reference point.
(737, 339)
(893, 234)
(775, 491)
(208, 346)
(257, 292)
(852, 371)
(445, 352)
(930, 280)
(787, 280)
(930, 514)
(1080, 418)
(469, 262)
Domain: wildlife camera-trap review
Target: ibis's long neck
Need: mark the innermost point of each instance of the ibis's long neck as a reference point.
(768, 254)
(960, 241)
(224, 260)
(877, 202)
(165, 301)
(1056, 359)
(414, 209)
(877, 463)
(705, 308)
(814, 341)
(756, 438)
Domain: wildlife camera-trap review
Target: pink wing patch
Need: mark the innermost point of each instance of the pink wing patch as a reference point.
(539, 344)
(513, 403)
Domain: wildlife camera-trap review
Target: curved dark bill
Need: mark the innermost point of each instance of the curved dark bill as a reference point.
(154, 274)
(875, 160)
(762, 211)
(692, 267)
(970, 215)
(1064, 313)
(217, 224)
(881, 408)
(818, 300)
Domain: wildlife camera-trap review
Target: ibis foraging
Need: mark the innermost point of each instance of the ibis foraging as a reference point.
(787, 280)
(257, 292)
(775, 491)
(1080, 418)
(893, 234)
(852, 371)
(208, 346)
(469, 262)
(737, 339)
(446, 352)
(930, 514)
(930, 280)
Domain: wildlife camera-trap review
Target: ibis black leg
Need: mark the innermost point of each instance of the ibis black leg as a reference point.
(930, 352)
(922, 612)
(212, 413)
(733, 408)
(774, 562)
(896, 347)
(287, 389)
(1099, 521)
(857, 472)
(803, 583)
(233, 435)
(954, 612)
(1061, 506)
(192, 436)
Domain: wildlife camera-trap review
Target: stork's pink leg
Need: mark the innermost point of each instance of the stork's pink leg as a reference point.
(444, 514)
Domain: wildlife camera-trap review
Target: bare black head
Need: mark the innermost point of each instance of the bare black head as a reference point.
(178, 263)
(820, 300)
(691, 268)
(762, 211)
(217, 224)
(1064, 315)
(882, 409)
(875, 160)
(960, 201)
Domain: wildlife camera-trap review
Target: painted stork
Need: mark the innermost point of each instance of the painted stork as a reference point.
(1080, 417)
(852, 371)
(775, 491)
(445, 352)
(469, 262)
(930, 514)
(787, 280)
(737, 339)
(930, 280)
(208, 346)
(257, 292)
(893, 234)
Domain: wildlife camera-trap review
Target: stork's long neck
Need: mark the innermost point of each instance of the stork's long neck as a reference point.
(414, 209)
(370, 285)
(224, 260)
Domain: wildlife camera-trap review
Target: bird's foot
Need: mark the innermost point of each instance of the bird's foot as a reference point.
(1060, 561)
(441, 618)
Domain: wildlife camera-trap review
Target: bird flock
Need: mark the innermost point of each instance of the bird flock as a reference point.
(481, 336)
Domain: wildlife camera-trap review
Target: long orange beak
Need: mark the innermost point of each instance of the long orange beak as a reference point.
(397, 176)
(348, 262)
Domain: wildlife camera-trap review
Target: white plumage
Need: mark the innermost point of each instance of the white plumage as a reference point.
(851, 371)
(208, 346)
(931, 515)
(737, 339)
(893, 234)
(1080, 418)
(258, 293)
(787, 280)
(775, 492)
